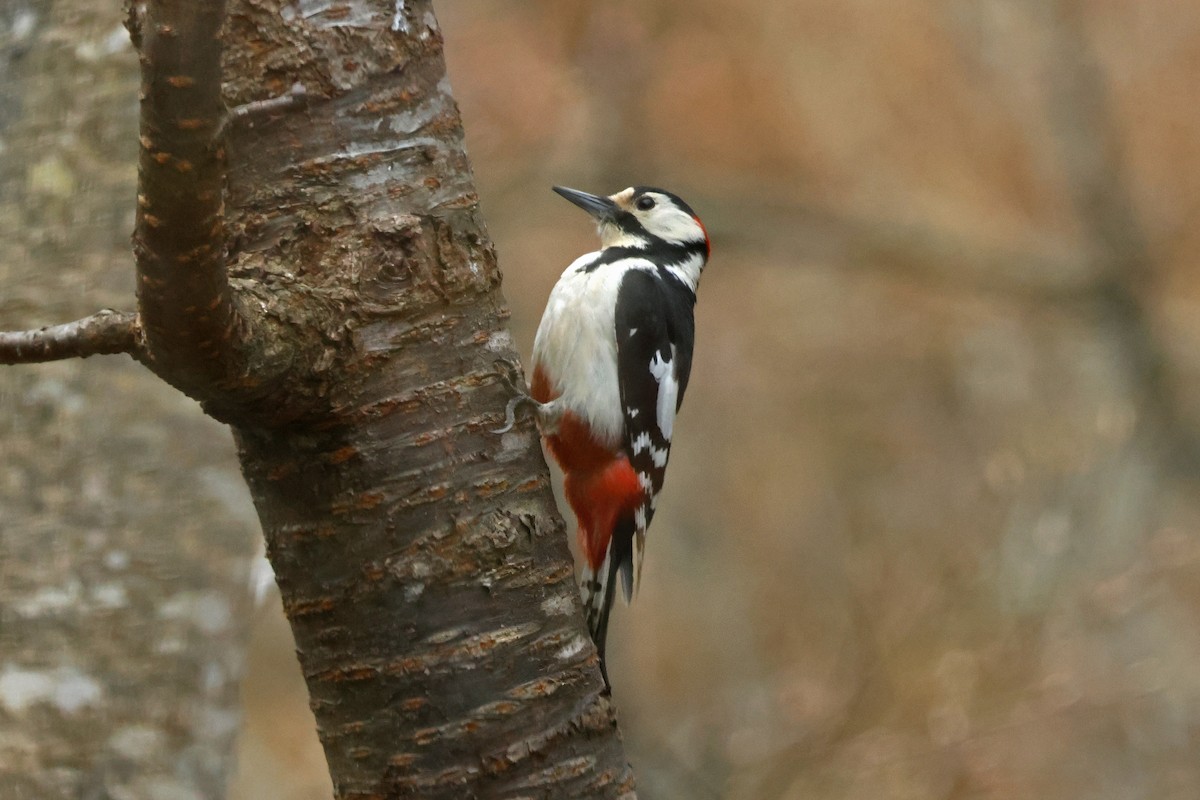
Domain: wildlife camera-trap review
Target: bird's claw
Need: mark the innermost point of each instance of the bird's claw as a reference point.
(510, 412)
(509, 375)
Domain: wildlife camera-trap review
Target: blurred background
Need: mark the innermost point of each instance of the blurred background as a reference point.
(932, 523)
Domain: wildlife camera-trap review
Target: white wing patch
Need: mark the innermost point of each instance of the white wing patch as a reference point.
(668, 391)
(659, 454)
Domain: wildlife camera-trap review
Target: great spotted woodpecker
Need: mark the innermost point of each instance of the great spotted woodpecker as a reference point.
(611, 362)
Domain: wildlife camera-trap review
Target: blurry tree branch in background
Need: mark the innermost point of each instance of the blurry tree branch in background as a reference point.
(333, 296)
(1083, 120)
(126, 538)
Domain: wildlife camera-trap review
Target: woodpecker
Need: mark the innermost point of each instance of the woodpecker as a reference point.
(611, 362)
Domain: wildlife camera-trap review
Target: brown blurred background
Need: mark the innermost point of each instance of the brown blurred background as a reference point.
(932, 524)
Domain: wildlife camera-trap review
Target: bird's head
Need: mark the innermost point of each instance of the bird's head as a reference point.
(642, 217)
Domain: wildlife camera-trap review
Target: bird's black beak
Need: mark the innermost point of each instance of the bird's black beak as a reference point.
(602, 208)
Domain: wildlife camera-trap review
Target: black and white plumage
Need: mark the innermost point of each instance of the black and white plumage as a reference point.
(611, 363)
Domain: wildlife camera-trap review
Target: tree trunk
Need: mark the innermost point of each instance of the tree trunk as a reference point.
(346, 321)
(422, 562)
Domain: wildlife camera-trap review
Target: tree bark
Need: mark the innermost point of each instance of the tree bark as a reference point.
(348, 327)
(185, 304)
(422, 562)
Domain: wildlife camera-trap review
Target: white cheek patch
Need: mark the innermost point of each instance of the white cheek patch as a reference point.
(675, 226)
(668, 391)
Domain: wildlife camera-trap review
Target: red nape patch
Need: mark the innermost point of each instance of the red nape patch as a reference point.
(599, 497)
(707, 241)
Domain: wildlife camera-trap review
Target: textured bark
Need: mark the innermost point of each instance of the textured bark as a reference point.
(352, 348)
(422, 562)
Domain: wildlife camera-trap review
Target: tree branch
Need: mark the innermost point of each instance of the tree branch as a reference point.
(193, 330)
(1090, 148)
(106, 332)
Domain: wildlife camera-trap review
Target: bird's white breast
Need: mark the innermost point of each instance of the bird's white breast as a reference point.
(576, 346)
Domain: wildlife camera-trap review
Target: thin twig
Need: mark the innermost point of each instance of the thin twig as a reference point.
(106, 332)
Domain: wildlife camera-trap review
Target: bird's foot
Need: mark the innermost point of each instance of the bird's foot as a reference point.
(509, 374)
(548, 414)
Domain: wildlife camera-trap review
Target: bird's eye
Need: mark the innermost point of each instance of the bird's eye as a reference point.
(645, 203)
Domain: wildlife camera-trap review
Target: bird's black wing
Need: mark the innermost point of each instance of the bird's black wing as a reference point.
(655, 332)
